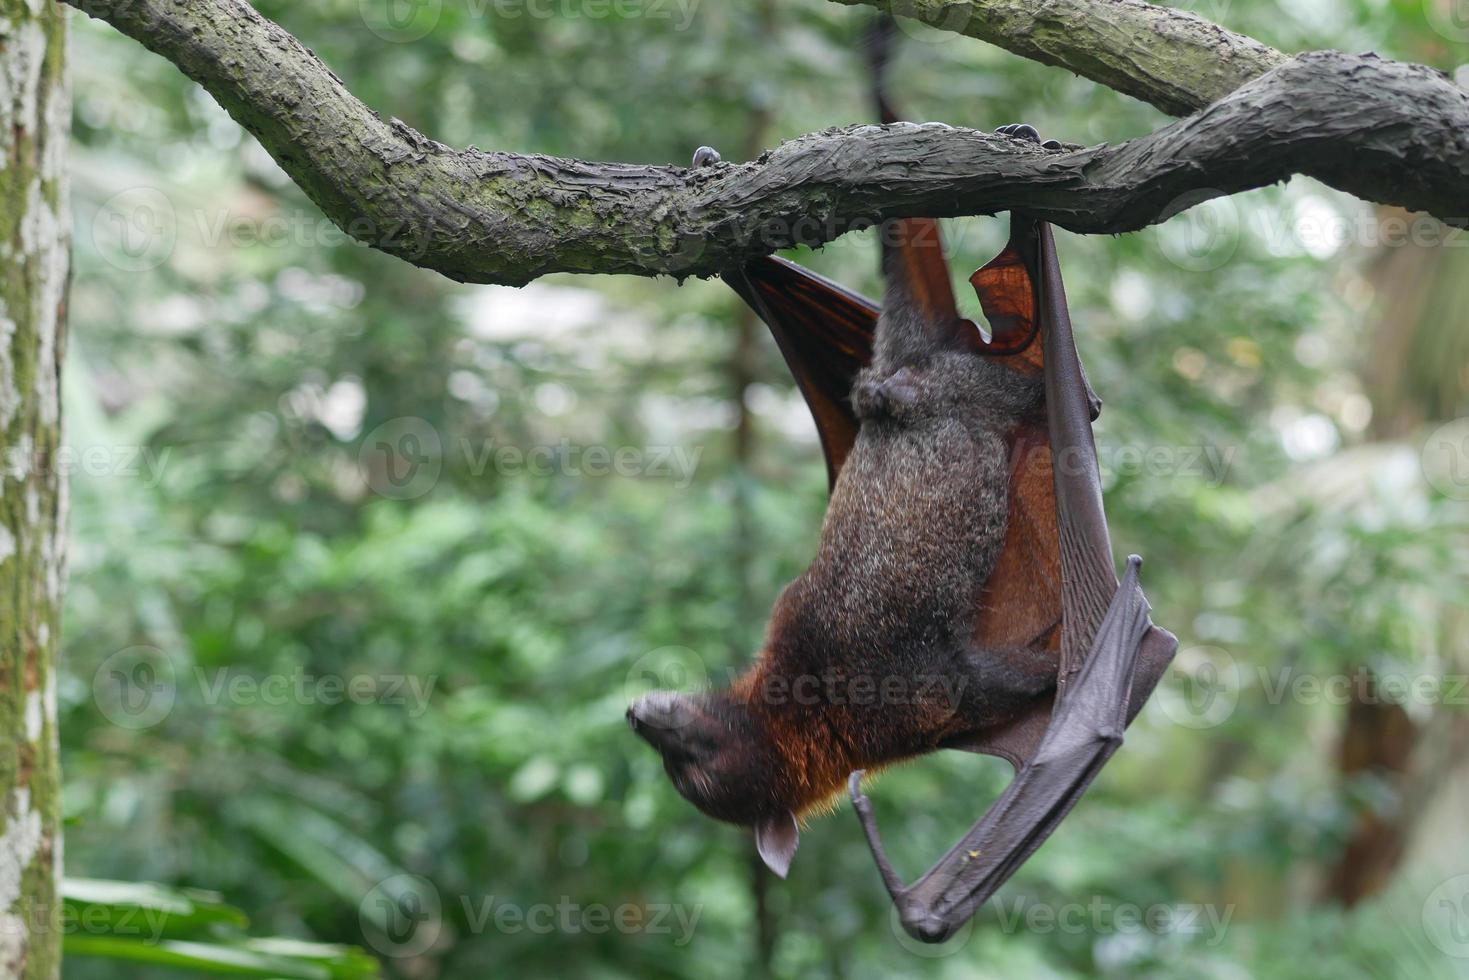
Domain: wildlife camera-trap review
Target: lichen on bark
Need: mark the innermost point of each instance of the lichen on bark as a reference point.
(35, 110)
(1173, 59)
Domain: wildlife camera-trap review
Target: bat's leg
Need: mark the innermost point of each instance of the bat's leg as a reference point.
(863, 806)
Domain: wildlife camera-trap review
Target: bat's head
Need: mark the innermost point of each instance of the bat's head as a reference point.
(721, 761)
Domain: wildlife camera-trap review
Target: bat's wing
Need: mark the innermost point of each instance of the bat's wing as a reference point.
(1055, 589)
(825, 333)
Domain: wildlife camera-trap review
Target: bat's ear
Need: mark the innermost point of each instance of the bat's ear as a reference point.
(776, 838)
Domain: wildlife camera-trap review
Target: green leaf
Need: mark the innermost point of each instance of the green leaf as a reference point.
(134, 908)
(267, 958)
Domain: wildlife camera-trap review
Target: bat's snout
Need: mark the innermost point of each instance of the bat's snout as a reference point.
(658, 716)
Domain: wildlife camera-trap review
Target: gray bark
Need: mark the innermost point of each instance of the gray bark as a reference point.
(1386, 131)
(1173, 59)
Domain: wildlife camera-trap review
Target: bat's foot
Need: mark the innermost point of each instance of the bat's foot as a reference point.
(1025, 131)
(706, 156)
(890, 397)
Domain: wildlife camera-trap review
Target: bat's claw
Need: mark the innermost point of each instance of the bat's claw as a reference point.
(706, 156)
(1025, 131)
(854, 789)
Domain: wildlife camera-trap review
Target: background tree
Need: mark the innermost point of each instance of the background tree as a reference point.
(236, 360)
(35, 108)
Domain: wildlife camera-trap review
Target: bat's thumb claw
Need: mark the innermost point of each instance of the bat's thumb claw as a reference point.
(854, 785)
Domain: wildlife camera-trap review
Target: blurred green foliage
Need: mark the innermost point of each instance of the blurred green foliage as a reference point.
(391, 715)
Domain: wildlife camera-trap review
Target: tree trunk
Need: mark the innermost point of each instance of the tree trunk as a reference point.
(34, 231)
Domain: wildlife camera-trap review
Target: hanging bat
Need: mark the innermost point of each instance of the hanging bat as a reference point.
(963, 594)
(870, 653)
(964, 572)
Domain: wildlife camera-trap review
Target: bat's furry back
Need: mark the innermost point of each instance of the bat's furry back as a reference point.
(868, 657)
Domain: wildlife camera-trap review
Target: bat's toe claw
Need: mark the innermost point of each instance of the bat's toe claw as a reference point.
(706, 156)
(1023, 131)
(923, 925)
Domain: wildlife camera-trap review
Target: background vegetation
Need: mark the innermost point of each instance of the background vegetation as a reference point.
(382, 713)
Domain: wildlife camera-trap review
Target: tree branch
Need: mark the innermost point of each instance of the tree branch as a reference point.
(1386, 131)
(1174, 60)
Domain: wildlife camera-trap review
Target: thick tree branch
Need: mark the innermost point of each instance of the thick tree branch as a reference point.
(1386, 131)
(1174, 60)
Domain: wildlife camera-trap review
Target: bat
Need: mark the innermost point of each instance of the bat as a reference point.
(1048, 600)
(871, 655)
(1053, 589)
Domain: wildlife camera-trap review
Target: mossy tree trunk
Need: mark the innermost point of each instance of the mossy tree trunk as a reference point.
(35, 110)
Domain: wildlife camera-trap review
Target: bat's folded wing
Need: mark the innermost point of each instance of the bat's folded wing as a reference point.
(1055, 589)
(1056, 566)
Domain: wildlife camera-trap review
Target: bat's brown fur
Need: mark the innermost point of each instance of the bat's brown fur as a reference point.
(868, 657)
